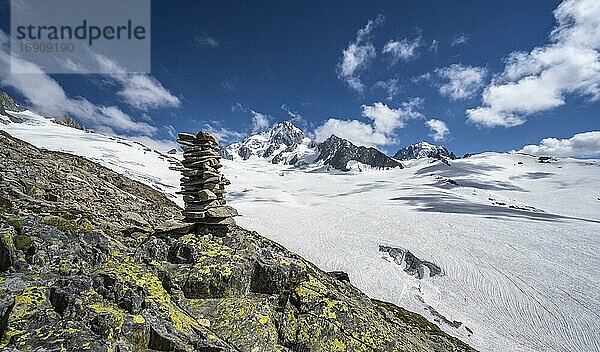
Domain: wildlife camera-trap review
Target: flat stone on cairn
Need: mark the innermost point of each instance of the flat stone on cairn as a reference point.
(202, 185)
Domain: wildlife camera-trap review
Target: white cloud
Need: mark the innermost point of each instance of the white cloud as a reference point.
(390, 86)
(541, 79)
(140, 91)
(462, 81)
(294, 115)
(585, 144)
(386, 119)
(260, 121)
(46, 96)
(402, 50)
(439, 129)
(434, 46)
(459, 39)
(381, 131)
(238, 107)
(357, 56)
(229, 85)
(204, 40)
(355, 131)
(424, 77)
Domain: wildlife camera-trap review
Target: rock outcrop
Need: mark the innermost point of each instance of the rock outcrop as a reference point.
(92, 261)
(67, 121)
(411, 264)
(8, 103)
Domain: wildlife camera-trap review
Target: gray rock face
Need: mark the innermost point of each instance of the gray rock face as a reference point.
(423, 150)
(8, 103)
(411, 264)
(337, 152)
(67, 121)
(225, 154)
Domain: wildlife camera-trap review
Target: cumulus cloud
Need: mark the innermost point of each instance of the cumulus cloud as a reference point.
(541, 79)
(461, 82)
(357, 56)
(141, 91)
(439, 129)
(260, 121)
(355, 131)
(384, 121)
(46, 96)
(585, 144)
(459, 39)
(402, 50)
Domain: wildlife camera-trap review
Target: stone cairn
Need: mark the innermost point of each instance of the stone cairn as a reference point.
(202, 185)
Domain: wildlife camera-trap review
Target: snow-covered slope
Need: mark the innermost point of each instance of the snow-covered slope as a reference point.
(423, 150)
(515, 239)
(126, 157)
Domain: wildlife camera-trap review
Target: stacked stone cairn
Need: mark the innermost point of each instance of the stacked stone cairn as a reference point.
(202, 185)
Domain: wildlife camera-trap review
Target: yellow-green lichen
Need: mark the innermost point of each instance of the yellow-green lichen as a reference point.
(12, 334)
(247, 321)
(311, 288)
(29, 301)
(67, 225)
(338, 345)
(138, 319)
(130, 273)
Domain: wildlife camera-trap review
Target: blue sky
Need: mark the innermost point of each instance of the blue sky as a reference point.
(381, 73)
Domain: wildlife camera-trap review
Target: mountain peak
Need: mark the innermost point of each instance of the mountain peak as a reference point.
(278, 144)
(337, 152)
(423, 149)
(286, 132)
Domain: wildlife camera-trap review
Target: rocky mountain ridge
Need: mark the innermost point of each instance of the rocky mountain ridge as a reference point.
(93, 261)
(338, 152)
(286, 144)
(423, 150)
